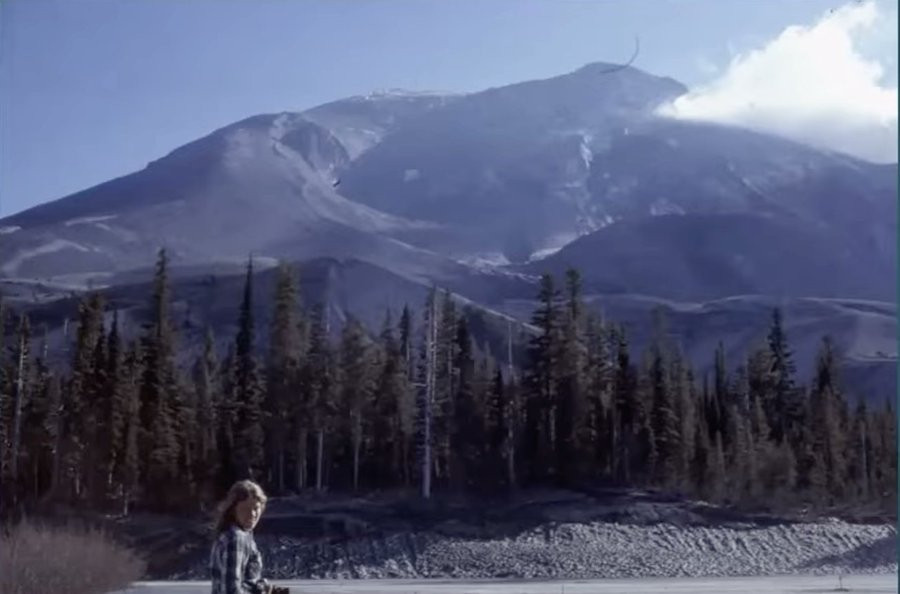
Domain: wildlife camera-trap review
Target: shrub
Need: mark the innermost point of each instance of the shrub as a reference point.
(38, 559)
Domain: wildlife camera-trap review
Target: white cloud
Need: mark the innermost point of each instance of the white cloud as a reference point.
(810, 84)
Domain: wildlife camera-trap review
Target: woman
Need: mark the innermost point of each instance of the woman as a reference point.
(235, 562)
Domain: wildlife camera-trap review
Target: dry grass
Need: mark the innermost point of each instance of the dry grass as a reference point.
(43, 560)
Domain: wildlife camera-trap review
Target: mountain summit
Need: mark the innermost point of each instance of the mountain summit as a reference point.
(507, 176)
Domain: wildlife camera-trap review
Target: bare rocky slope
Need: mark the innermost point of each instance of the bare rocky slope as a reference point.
(865, 331)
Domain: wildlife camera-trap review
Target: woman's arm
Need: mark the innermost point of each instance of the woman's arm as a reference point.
(234, 564)
(253, 579)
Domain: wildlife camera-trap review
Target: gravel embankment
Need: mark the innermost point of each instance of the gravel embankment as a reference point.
(590, 550)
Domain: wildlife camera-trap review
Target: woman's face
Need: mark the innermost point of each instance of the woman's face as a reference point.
(247, 513)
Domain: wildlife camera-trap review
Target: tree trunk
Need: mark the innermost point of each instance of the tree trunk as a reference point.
(300, 479)
(17, 418)
(510, 414)
(357, 439)
(865, 461)
(429, 398)
(320, 454)
(426, 454)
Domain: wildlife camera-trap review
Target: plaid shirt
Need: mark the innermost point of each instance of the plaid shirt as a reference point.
(235, 564)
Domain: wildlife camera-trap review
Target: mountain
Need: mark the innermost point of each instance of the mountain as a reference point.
(520, 171)
(480, 193)
(711, 256)
(413, 182)
(505, 168)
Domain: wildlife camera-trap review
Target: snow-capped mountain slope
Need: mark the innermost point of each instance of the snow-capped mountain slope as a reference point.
(360, 123)
(436, 186)
(525, 169)
(264, 185)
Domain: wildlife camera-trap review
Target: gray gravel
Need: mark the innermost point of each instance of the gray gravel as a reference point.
(590, 550)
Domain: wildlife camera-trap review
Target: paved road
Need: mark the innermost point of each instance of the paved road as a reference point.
(880, 584)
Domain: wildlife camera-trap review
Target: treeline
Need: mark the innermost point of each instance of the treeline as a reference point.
(420, 406)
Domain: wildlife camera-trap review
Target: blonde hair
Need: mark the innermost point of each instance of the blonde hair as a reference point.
(240, 491)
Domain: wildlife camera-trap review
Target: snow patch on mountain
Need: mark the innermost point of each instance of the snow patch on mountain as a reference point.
(487, 261)
(281, 125)
(9, 229)
(12, 265)
(543, 253)
(587, 155)
(89, 220)
(553, 245)
(663, 206)
(403, 93)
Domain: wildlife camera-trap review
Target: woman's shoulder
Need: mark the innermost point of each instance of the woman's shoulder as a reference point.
(232, 533)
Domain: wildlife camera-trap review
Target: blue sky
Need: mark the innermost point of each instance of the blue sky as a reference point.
(95, 89)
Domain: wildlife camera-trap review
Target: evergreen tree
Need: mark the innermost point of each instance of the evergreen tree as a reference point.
(715, 481)
(300, 407)
(446, 376)
(389, 436)
(701, 461)
(407, 407)
(761, 446)
(685, 397)
(128, 470)
(115, 409)
(626, 414)
(17, 407)
(469, 430)
(883, 463)
(78, 422)
(427, 380)
(97, 414)
(785, 407)
(357, 386)
(664, 421)
(249, 451)
(719, 397)
(322, 387)
(859, 454)
(159, 408)
(541, 384)
(739, 455)
(573, 443)
(207, 388)
(281, 374)
(37, 437)
(827, 420)
(598, 386)
(226, 417)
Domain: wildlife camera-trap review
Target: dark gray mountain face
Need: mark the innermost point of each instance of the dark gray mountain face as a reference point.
(865, 331)
(710, 256)
(480, 193)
